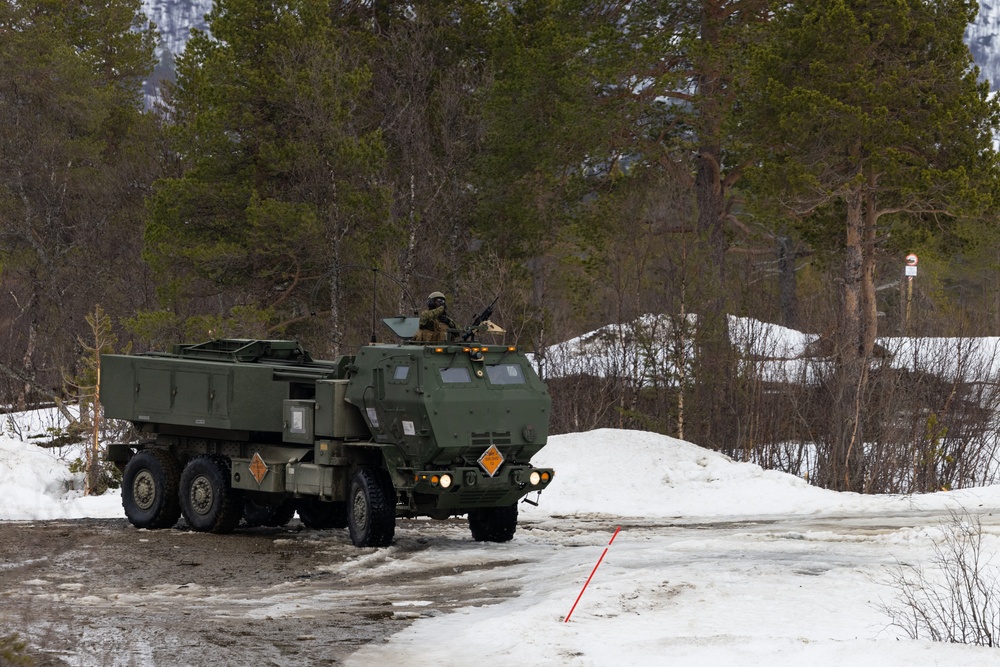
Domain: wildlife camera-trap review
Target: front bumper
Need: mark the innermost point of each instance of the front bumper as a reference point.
(470, 488)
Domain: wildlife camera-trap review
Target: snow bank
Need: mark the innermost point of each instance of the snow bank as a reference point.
(608, 472)
(35, 484)
(639, 474)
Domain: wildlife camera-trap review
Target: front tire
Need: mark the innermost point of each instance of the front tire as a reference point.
(207, 501)
(371, 508)
(149, 489)
(493, 524)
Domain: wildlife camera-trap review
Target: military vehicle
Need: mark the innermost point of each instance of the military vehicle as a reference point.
(255, 430)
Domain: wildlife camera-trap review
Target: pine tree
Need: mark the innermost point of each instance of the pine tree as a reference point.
(277, 198)
(865, 112)
(672, 87)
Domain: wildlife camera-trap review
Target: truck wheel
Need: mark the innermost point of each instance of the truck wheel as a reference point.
(207, 501)
(493, 524)
(319, 515)
(371, 515)
(260, 514)
(149, 489)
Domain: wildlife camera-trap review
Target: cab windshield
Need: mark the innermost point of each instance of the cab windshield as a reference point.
(505, 374)
(457, 375)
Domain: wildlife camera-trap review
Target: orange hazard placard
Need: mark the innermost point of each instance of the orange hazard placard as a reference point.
(491, 460)
(258, 468)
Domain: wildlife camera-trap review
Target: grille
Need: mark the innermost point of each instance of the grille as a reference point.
(487, 438)
(487, 496)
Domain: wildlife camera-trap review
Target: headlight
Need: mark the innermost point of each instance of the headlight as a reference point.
(535, 478)
(445, 481)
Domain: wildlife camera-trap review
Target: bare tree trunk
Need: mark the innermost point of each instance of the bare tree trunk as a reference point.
(843, 464)
(712, 91)
(680, 355)
(94, 462)
(336, 327)
(409, 256)
(786, 283)
(869, 308)
(28, 363)
(538, 299)
(711, 205)
(714, 367)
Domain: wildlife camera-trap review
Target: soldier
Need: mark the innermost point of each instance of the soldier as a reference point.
(434, 322)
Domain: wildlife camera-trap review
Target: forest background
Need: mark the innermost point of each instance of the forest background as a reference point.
(589, 162)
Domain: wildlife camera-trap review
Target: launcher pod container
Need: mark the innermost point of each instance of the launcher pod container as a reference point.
(255, 430)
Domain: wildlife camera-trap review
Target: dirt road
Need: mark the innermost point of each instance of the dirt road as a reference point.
(100, 592)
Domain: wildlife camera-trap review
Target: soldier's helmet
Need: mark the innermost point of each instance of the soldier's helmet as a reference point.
(436, 299)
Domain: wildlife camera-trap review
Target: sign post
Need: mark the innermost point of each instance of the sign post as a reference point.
(910, 271)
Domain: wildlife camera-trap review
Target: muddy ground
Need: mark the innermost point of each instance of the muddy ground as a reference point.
(100, 592)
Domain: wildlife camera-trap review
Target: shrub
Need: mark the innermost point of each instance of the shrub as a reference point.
(956, 600)
(13, 652)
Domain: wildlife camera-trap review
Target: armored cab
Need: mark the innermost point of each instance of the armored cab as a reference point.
(256, 430)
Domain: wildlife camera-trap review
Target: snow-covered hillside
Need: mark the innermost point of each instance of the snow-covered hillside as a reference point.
(174, 20)
(983, 38)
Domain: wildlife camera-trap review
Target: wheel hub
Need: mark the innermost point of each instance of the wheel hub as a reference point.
(144, 490)
(360, 509)
(202, 495)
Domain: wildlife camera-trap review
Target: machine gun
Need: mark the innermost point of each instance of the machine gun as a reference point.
(470, 331)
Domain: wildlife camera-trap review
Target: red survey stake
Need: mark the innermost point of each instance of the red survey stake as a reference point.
(592, 572)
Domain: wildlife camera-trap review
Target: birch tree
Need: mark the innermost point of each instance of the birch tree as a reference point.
(74, 168)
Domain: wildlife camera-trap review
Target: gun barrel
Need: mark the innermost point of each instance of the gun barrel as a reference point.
(480, 318)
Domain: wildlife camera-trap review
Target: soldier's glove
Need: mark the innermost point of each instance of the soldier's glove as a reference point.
(444, 319)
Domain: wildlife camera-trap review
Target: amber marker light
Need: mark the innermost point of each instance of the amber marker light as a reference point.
(545, 476)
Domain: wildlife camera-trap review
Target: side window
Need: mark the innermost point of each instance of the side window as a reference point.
(455, 375)
(400, 373)
(505, 374)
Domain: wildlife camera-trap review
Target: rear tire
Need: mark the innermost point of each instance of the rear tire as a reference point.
(207, 501)
(319, 515)
(493, 524)
(371, 511)
(149, 489)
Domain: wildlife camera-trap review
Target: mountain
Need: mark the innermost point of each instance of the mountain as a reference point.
(983, 38)
(174, 19)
